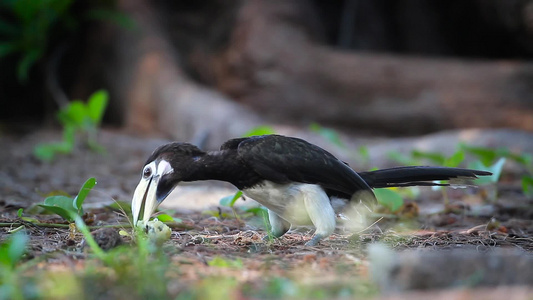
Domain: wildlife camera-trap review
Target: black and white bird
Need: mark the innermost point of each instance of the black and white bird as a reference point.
(295, 180)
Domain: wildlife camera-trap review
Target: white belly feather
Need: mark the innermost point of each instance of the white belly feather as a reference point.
(296, 202)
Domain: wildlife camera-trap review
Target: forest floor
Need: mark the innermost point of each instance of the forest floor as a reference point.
(475, 248)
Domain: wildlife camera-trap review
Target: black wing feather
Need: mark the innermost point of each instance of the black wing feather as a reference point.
(284, 159)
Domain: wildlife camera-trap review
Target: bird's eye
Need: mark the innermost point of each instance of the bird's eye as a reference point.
(147, 172)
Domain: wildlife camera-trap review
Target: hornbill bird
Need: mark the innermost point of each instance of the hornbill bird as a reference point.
(286, 175)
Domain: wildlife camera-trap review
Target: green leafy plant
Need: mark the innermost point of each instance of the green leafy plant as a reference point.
(488, 156)
(29, 28)
(66, 206)
(77, 117)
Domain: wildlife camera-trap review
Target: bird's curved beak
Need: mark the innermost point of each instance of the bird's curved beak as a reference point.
(144, 199)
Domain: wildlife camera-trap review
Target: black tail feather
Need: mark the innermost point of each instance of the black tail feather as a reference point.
(417, 176)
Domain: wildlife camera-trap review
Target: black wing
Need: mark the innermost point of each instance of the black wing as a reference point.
(284, 159)
(233, 144)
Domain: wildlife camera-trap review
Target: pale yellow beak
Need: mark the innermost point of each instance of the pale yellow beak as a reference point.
(144, 200)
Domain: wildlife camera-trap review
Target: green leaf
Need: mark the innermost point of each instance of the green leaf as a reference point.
(73, 114)
(165, 218)
(256, 211)
(496, 170)
(58, 211)
(328, 134)
(123, 233)
(27, 61)
(527, 185)
(229, 201)
(455, 160)
(260, 130)
(19, 212)
(11, 251)
(84, 191)
(46, 152)
(389, 199)
(485, 155)
(96, 106)
(60, 205)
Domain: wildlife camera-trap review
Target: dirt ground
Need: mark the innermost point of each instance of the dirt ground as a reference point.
(490, 232)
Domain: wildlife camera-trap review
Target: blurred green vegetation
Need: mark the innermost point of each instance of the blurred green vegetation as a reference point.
(29, 29)
(77, 118)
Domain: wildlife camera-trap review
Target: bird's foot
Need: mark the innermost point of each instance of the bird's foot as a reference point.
(314, 241)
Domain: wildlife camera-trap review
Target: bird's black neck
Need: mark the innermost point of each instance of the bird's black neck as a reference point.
(223, 166)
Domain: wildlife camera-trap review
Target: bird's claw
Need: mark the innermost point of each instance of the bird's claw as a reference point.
(314, 241)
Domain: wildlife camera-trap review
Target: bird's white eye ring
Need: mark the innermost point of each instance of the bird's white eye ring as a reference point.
(147, 172)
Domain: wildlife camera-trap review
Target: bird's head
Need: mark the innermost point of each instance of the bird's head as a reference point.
(165, 168)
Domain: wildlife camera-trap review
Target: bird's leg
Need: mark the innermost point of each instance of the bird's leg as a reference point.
(278, 225)
(320, 212)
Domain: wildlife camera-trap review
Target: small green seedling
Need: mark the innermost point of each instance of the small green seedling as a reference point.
(76, 117)
(488, 156)
(229, 201)
(20, 215)
(66, 206)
